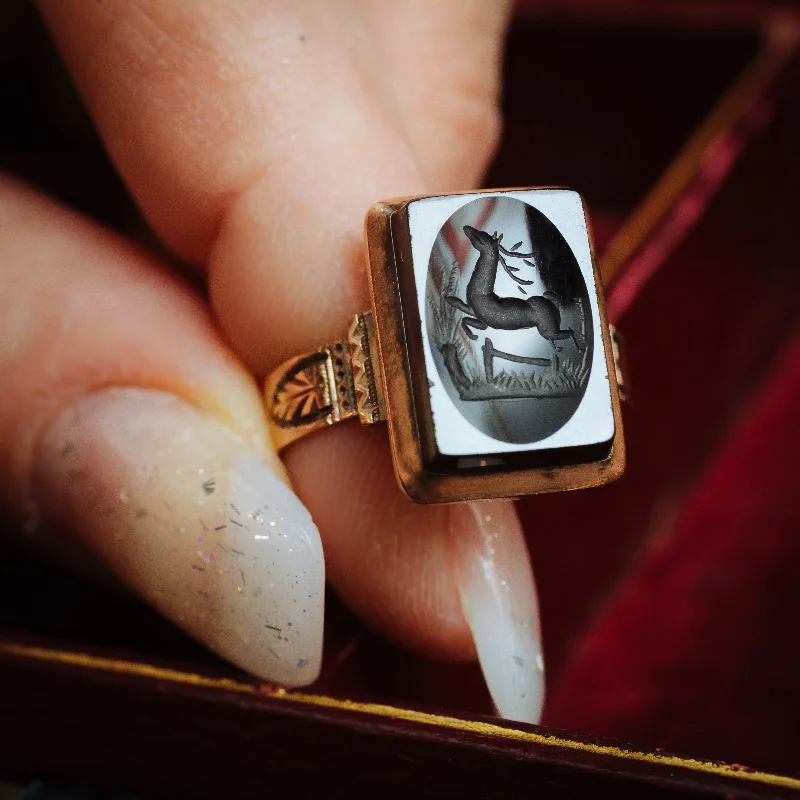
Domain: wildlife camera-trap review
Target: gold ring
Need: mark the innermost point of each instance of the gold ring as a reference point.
(487, 350)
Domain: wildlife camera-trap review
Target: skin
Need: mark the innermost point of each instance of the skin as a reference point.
(253, 136)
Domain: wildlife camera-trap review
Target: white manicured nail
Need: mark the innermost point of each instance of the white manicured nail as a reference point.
(498, 597)
(195, 522)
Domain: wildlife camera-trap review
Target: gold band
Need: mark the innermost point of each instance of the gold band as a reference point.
(338, 381)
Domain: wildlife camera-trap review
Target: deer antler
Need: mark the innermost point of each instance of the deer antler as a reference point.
(511, 270)
(515, 255)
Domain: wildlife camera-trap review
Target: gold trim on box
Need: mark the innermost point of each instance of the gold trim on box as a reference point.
(390, 712)
(781, 39)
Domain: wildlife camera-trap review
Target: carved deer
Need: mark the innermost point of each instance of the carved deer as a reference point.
(485, 309)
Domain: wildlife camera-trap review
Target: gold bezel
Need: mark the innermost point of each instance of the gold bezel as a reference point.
(384, 226)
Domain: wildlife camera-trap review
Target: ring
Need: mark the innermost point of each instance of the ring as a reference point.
(487, 350)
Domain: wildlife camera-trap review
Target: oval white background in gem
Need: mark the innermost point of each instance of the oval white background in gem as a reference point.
(592, 422)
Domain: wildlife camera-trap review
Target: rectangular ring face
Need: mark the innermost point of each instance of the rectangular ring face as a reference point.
(495, 346)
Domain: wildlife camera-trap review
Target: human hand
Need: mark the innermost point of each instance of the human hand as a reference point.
(253, 135)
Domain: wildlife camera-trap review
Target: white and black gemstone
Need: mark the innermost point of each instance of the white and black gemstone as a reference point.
(509, 322)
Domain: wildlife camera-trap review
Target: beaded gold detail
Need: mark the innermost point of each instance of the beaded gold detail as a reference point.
(366, 373)
(336, 382)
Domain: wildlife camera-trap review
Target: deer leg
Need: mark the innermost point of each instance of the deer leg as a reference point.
(459, 304)
(580, 345)
(566, 334)
(475, 323)
(558, 336)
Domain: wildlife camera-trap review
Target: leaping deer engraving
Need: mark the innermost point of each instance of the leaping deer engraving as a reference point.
(485, 309)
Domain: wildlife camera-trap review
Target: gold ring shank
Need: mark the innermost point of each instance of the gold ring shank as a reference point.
(337, 382)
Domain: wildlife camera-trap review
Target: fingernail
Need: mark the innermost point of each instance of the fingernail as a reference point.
(195, 522)
(498, 598)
